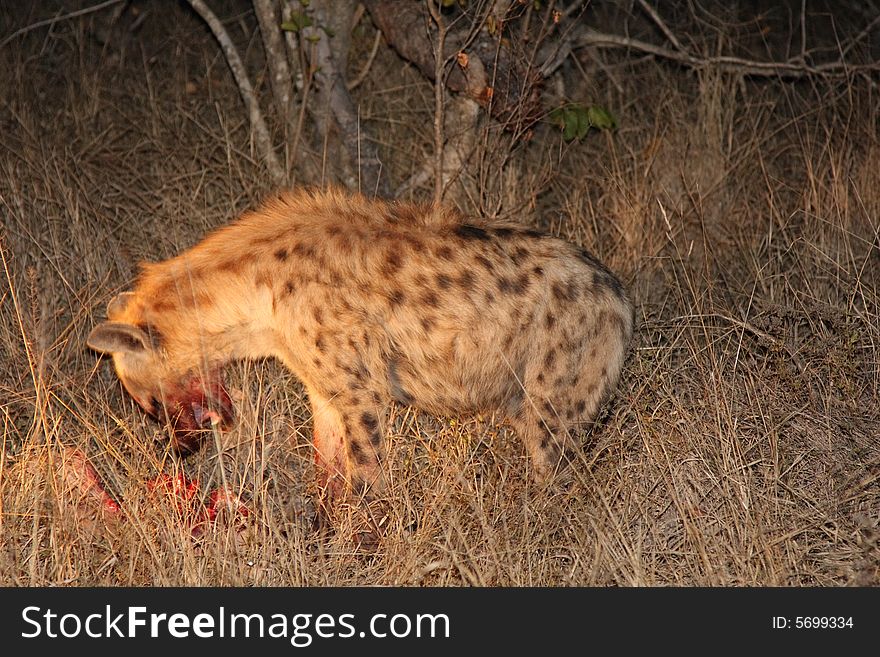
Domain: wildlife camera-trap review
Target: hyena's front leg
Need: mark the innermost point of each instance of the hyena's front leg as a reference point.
(348, 433)
(328, 438)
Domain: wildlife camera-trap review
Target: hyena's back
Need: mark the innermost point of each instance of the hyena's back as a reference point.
(368, 301)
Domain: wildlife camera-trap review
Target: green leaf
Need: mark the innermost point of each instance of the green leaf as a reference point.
(569, 123)
(557, 116)
(575, 120)
(601, 118)
(583, 123)
(296, 23)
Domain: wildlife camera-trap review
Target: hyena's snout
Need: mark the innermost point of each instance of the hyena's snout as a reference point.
(193, 410)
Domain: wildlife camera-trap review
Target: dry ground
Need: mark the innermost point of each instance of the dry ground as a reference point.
(742, 448)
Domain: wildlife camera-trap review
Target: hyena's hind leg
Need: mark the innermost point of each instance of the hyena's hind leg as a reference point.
(564, 390)
(548, 441)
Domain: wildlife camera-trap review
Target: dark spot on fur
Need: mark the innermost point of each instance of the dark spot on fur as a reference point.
(414, 243)
(591, 389)
(369, 421)
(233, 265)
(468, 232)
(304, 250)
(549, 358)
(358, 453)
(281, 254)
(550, 321)
(319, 343)
(393, 262)
(540, 377)
(430, 298)
(397, 390)
(396, 297)
(443, 281)
(603, 276)
(485, 263)
(502, 232)
(289, 288)
(580, 407)
(466, 280)
(489, 297)
(518, 286)
(567, 292)
(427, 324)
(533, 233)
(519, 253)
(445, 253)
(538, 270)
(548, 408)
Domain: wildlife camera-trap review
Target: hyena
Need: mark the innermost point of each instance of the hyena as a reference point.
(369, 302)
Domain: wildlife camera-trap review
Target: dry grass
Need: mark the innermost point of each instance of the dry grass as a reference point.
(742, 448)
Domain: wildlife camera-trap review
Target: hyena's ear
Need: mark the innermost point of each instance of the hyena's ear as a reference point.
(119, 303)
(116, 337)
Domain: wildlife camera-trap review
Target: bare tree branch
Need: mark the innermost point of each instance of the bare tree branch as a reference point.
(276, 58)
(360, 77)
(439, 66)
(659, 22)
(58, 19)
(333, 95)
(587, 37)
(259, 130)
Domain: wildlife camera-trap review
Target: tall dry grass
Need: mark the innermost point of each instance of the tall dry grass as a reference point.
(741, 449)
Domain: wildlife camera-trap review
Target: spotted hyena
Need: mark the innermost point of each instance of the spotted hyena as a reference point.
(369, 302)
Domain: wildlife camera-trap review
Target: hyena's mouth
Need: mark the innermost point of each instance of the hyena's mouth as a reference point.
(201, 410)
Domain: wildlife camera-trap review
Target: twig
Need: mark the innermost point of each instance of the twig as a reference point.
(255, 114)
(861, 35)
(589, 37)
(58, 19)
(659, 22)
(439, 65)
(360, 77)
(276, 58)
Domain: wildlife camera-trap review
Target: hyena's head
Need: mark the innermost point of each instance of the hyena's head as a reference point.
(188, 398)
